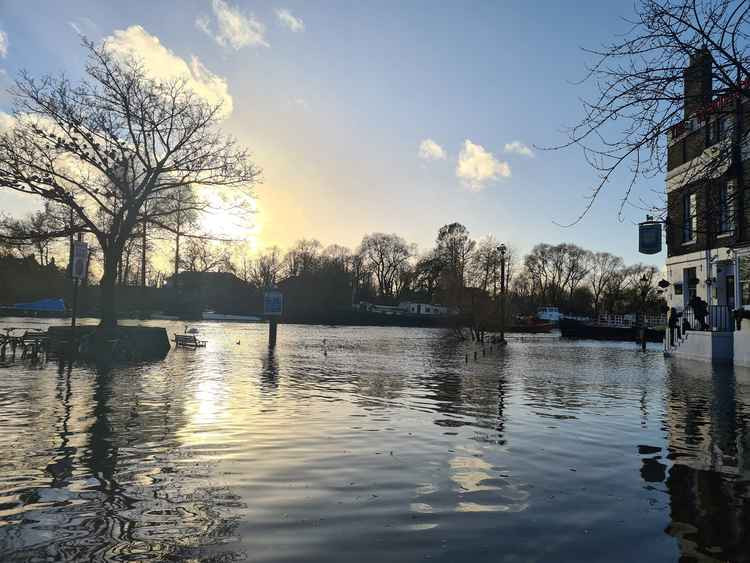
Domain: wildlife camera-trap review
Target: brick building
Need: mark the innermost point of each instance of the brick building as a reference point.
(708, 211)
(705, 219)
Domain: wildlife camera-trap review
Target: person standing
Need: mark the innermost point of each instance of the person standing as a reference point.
(673, 322)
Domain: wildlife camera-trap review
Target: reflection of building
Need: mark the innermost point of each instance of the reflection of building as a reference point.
(708, 424)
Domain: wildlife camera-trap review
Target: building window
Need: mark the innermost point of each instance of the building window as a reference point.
(717, 130)
(691, 284)
(726, 208)
(689, 217)
(744, 278)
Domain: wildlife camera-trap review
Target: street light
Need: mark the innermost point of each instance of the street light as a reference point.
(502, 250)
(645, 289)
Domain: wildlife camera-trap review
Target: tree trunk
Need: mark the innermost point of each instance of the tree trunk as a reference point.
(108, 303)
(177, 244)
(143, 254)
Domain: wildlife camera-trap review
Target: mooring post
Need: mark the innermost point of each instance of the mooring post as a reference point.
(272, 333)
(73, 318)
(77, 273)
(273, 306)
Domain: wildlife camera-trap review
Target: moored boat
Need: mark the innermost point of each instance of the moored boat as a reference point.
(571, 328)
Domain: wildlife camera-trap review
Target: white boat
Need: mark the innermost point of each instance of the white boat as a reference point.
(211, 316)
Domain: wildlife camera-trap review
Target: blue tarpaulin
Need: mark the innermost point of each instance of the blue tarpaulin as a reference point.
(55, 305)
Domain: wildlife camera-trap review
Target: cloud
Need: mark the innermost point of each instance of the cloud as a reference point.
(517, 147)
(287, 19)
(7, 121)
(477, 167)
(3, 44)
(163, 64)
(233, 28)
(430, 150)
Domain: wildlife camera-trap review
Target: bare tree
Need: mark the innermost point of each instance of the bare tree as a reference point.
(386, 256)
(302, 258)
(202, 255)
(177, 213)
(604, 268)
(111, 143)
(485, 265)
(454, 248)
(266, 268)
(641, 108)
(427, 273)
(338, 254)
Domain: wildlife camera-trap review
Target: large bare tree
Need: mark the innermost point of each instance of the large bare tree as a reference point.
(640, 105)
(110, 144)
(386, 256)
(603, 271)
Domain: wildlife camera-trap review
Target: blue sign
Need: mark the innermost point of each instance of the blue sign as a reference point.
(273, 302)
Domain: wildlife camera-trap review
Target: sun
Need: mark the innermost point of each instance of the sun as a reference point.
(238, 222)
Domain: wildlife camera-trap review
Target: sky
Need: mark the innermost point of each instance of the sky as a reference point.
(373, 116)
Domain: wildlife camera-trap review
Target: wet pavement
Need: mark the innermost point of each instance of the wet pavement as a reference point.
(381, 444)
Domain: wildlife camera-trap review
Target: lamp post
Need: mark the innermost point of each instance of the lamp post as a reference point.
(645, 288)
(502, 251)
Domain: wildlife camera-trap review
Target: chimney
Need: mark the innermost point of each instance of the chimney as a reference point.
(698, 81)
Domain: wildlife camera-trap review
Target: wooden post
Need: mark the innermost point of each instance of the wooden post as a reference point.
(76, 281)
(73, 319)
(272, 333)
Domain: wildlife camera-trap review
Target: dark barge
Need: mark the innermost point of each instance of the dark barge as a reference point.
(570, 328)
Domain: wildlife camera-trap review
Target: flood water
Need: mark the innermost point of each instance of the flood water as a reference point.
(382, 444)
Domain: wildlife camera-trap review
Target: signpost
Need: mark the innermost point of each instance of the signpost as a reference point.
(78, 272)
(273, 306)
(649, 237)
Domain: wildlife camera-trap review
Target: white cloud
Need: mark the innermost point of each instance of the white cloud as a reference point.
(517, 147)
(203, 22)
(3, 44)
(7, 121)
(234, 29)
(162, 63)
(290, 21)
(430, 150)
(476, 167)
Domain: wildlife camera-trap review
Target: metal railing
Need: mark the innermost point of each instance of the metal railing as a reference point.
(718, 318)
(633, 320)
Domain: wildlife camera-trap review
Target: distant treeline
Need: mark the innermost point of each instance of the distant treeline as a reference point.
(385, 269)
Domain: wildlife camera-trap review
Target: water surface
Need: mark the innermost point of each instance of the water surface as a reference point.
(381, 444)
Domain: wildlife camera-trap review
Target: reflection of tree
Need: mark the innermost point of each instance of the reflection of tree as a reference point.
(708, 485)
(476, 392)
(61, 467)
(123, 492)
